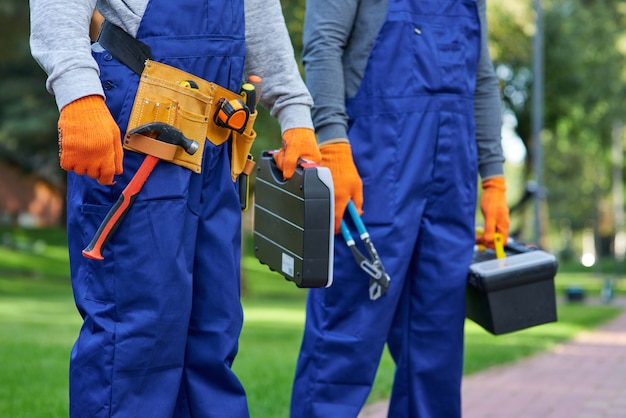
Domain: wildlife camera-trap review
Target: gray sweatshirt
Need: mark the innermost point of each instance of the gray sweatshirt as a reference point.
(338, 37)
(60, 43)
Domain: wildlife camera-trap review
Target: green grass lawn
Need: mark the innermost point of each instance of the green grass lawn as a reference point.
(38, 324)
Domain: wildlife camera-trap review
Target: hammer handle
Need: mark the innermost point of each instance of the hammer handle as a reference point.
(116, 214)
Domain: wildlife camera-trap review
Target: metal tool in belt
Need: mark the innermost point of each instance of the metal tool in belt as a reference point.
(379, 279)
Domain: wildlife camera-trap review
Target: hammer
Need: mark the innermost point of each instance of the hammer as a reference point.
(160, 132)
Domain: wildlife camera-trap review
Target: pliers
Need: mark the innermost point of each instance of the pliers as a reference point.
(379, 279)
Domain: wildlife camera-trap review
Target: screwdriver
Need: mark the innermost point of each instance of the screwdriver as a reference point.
(251, 94)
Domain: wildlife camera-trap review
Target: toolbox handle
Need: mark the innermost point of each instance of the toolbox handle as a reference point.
(498, 243)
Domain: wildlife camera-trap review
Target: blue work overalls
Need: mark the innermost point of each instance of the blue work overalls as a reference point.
(162, 314)
(412, 133)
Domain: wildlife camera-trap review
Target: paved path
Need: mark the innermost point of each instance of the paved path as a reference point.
(582, 378)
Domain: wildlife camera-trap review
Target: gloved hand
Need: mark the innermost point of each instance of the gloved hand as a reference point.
(337, 156)
(495, 211)
(89, 139)
(297, 143)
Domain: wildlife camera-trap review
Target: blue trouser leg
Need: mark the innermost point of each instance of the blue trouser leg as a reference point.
(426, 337)
(344, 338)
(135, 304)
(210, 388)
(163, 307)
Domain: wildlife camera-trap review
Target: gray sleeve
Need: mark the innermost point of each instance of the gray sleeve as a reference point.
(59, 42)
(270, 55)
(487, 108)
(327, 28)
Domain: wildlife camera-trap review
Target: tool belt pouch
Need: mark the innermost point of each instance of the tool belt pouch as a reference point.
(242, 143)
(187, 102)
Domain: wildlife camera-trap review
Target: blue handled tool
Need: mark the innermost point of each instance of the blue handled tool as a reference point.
(379, 279)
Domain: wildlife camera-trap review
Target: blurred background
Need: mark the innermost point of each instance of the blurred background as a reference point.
(562, 71)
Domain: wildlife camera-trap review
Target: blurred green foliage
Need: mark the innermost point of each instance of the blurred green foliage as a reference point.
(584, 85)
(27, 111)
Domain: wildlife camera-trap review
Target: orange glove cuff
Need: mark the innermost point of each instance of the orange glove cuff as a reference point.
(89, 139)
(297, 143)
(495, 210)
(346, 180)
(497, 183)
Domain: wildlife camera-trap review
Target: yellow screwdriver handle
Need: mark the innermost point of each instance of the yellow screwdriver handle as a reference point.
(498, 244)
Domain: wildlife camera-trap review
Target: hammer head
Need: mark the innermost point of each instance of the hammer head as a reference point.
(167, 133)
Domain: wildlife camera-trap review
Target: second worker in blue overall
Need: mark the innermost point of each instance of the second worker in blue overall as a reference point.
(408, 114)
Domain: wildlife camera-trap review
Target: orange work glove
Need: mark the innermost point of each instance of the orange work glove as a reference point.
(297, 143)
(89, 140)
(495, 211)
(347, 183)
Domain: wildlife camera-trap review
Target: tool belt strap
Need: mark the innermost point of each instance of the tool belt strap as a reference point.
(129, 51)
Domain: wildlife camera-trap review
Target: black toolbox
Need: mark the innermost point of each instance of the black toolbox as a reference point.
(293, 222)
(511, 293)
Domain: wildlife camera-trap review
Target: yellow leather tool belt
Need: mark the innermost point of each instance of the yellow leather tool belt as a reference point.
(189, 103)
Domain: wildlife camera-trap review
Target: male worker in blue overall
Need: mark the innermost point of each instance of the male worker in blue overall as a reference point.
(161, 312)
(407, 113)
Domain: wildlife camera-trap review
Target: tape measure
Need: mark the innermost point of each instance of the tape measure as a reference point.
(232, 114)
(189, 84)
